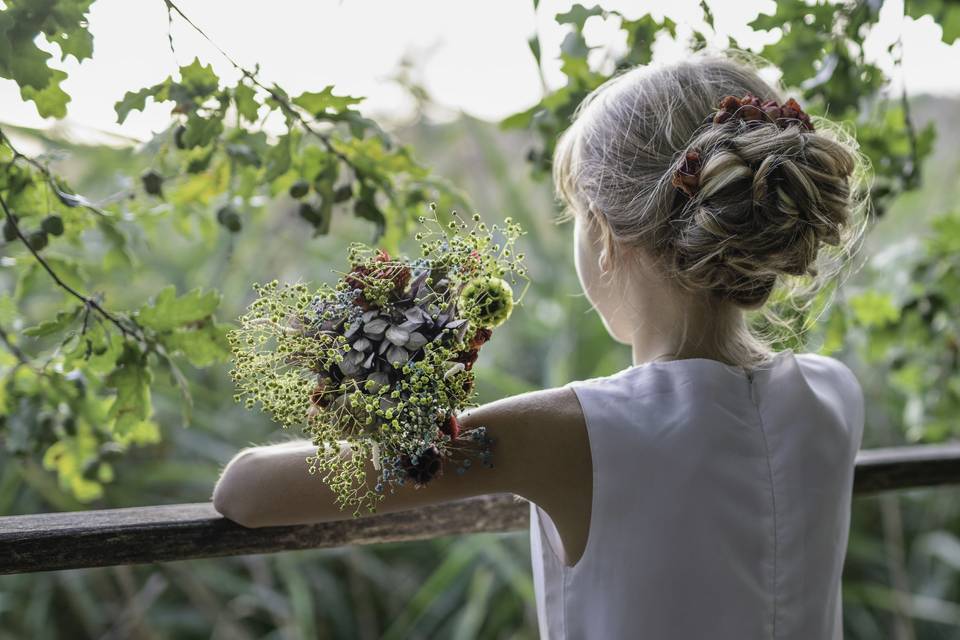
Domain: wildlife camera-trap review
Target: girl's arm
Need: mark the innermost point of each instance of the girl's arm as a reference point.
(539, 443)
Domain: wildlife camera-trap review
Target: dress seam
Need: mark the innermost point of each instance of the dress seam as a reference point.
(773, 502)
(563, 599)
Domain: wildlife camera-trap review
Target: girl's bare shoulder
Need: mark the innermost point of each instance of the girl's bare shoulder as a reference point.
(540, 439)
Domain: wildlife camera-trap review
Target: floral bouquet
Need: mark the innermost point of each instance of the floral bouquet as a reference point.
(381, 362)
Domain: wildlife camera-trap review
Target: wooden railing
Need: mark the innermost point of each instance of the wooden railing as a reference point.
(135, 535)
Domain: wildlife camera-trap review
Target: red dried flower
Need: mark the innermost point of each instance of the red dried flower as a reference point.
(355, 278)
(468, 358)
(399, 274)
(687, 175)
(474, 265)
(791, 111)
(749, 108)
(482, 335)
(451, 426)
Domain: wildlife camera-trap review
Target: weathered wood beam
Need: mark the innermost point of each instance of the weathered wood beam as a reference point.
(136, 535)
(904, 467)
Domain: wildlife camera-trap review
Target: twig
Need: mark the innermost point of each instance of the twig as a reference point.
(12, 348)
(911, 137)
(173, 50)
(911, 178)
(87, 300)
(252, 76)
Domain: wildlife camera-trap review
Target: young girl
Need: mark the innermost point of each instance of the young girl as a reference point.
(704, 491)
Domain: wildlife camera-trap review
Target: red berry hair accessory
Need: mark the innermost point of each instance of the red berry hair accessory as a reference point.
(687, 176)
(749, 110)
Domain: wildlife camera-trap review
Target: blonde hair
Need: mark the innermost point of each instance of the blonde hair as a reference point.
(769, 199)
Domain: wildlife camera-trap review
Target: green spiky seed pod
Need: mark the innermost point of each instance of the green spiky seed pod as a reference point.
(487, 300)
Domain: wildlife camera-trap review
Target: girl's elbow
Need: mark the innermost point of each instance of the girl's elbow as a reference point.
(233, 495)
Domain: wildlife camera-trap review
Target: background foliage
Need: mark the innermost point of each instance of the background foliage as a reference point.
(121, 269)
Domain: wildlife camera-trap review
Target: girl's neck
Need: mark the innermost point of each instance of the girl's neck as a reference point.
(685, 330)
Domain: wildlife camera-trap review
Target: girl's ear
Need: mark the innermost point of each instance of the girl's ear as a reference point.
(603, 261)
(600, 236)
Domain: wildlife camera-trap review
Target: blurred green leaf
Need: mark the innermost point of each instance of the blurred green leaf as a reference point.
(320, 102)
(58, 324)
(873, 309)
(945, 12)
(167, 311)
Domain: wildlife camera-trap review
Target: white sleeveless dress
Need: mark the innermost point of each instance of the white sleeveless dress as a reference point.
(721, 504)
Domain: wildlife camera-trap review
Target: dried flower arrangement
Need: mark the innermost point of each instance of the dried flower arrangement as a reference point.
(379, 364)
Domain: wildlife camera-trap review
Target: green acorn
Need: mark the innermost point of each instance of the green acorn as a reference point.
(9, 230)
(487, 300)
(229, 218)
(37, 239)
(53, 225)
(152, 182)
(299, 189)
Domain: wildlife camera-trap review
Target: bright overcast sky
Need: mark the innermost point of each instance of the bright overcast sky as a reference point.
(471, 56)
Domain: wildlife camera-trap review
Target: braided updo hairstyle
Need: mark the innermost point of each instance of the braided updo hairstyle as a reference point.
(774, 205)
